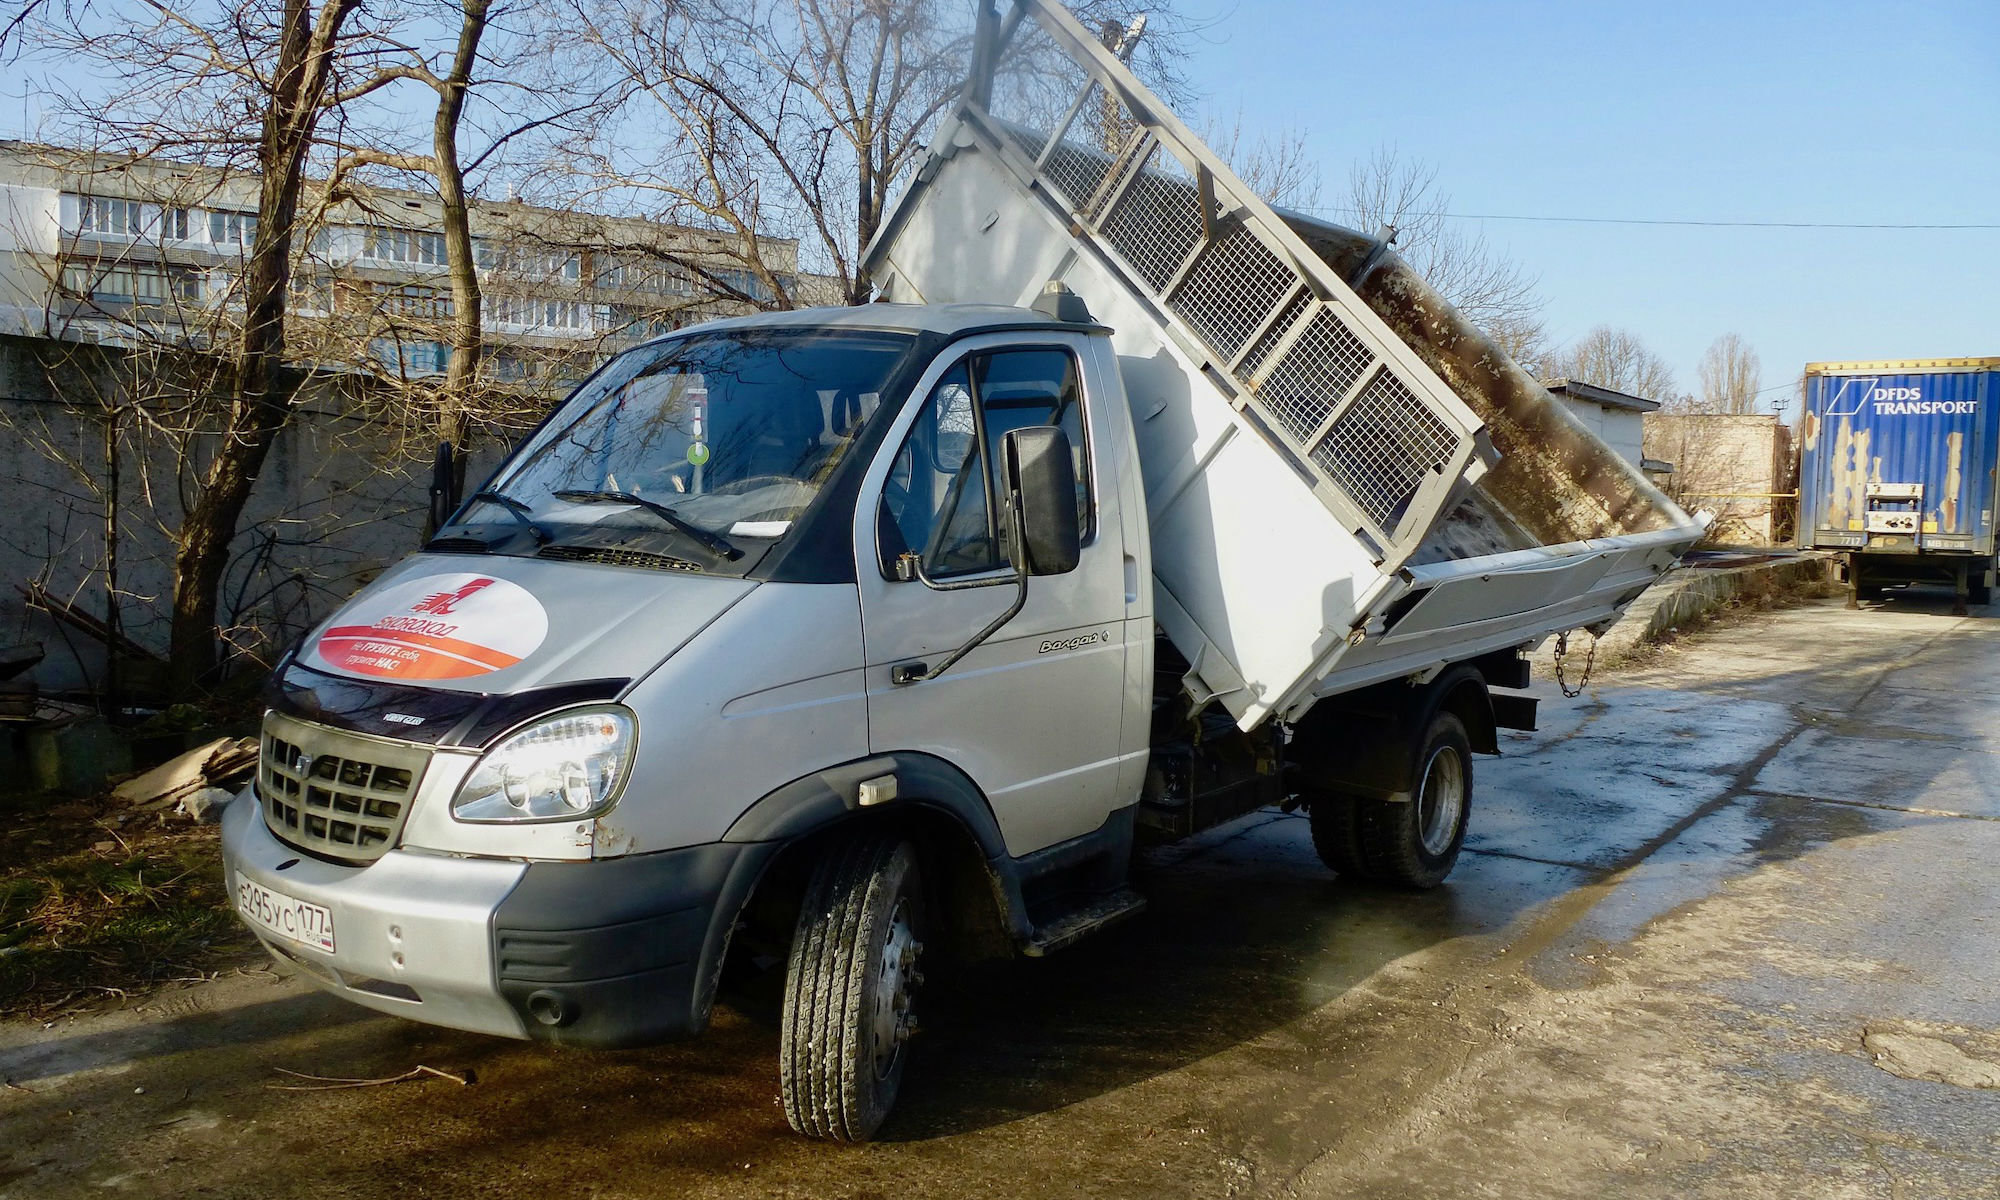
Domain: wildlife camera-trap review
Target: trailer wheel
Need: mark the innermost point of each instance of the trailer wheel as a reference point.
(1980, 592)
(848, 985)
(1415, 842)
(1336, 832)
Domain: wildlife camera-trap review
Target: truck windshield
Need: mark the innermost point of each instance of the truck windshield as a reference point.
(709, 439)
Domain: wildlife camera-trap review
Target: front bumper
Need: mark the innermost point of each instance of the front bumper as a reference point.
(605, 952)
(412, 932)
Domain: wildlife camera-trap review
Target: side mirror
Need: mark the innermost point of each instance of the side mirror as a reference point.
(1041, 475)
(443, 489)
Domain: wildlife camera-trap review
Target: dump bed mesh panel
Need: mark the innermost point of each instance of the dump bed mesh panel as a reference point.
(1230, 279)
(1381, 448)
(1305, 385)
(1157, 223)
(1232, 289)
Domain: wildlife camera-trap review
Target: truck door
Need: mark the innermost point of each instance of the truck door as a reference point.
(1033, 713)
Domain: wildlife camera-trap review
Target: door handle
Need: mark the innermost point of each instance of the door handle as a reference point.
(905, 673)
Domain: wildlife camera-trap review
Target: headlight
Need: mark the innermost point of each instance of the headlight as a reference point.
(568, 766)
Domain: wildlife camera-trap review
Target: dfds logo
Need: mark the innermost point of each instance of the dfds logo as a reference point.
(1882, 393)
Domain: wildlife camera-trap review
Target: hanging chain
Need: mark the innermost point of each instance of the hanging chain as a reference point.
(1589, 660)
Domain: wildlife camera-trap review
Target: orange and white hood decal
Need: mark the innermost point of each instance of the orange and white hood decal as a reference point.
(436, 627)
(514, 623)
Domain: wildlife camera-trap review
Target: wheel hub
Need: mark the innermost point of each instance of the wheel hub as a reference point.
(1441, 802)
(895, 979)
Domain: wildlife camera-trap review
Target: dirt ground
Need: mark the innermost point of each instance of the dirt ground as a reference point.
(1727, 926)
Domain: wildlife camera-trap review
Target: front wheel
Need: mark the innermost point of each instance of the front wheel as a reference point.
(848, 988)
(1414, 843)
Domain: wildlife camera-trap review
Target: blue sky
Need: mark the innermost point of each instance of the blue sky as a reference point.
(1747, 111)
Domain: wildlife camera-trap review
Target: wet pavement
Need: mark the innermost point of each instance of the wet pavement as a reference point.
(1728, 925)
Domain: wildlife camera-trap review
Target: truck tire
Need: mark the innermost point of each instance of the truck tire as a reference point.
(848, 984)
(1336, 832)
(1980, 592)
(1414, 843)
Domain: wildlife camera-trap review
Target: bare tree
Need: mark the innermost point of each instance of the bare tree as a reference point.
(786, 118)
(1277, 167)
(452, 403)
(243, 83)
(124, 427)
(1730, 375)
(1387, 192)
(1616, 359)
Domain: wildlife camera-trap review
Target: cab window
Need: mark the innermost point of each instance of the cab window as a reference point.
(942, 501)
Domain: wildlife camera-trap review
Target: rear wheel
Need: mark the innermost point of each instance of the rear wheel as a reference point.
(1336, 831)
(1414, 843)
(848, 988)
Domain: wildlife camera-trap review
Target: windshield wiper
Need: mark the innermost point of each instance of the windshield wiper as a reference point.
(714, 541)
(516, 509)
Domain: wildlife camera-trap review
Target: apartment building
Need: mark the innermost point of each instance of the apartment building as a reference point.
(93, 249)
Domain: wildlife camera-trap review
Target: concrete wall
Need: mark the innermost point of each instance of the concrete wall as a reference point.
(330, 511)
(1730, 465)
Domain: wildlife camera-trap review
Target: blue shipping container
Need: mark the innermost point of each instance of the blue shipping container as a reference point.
(1897, 465)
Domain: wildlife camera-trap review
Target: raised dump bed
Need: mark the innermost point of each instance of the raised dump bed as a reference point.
(1347, 482)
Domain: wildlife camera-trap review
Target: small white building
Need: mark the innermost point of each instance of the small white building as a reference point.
(1617, 418)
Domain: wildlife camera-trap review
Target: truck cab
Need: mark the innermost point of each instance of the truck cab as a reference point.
(730, 598)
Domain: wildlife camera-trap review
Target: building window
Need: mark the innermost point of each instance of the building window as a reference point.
(565, 314)
(115, 216)
(528, 262)
(420, 303)
(746, 283)
(139, 286)
(403, 246)
(411, 358)
(232, 229)
(538, 315)
(638, 323)
(509, 367)
(310, 294)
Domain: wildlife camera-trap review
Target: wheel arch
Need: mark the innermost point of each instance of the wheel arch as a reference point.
(972, 889)
(1363, 743)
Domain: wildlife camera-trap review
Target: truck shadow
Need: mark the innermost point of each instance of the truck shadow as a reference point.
(1245, 932)
(1924, 598)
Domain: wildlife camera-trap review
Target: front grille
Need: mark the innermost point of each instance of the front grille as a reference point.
(336, 794)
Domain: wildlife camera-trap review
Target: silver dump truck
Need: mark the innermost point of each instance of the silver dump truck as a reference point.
(844, 639)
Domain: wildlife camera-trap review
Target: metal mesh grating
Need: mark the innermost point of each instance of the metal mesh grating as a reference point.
(1312, 377)
(1234, 285)
(1077, 168)
(1295, 308)
(1031, 141)
(1157, 222)
(335, 793)
(1381, 449)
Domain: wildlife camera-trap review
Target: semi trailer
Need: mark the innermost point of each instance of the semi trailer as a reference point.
(1896, 472)
(852, 640)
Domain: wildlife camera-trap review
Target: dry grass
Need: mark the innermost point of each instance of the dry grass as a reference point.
(97, 905)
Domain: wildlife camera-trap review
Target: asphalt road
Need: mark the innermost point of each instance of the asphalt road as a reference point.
(1729, 925)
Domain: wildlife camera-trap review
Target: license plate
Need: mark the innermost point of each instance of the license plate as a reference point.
(286, 916)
